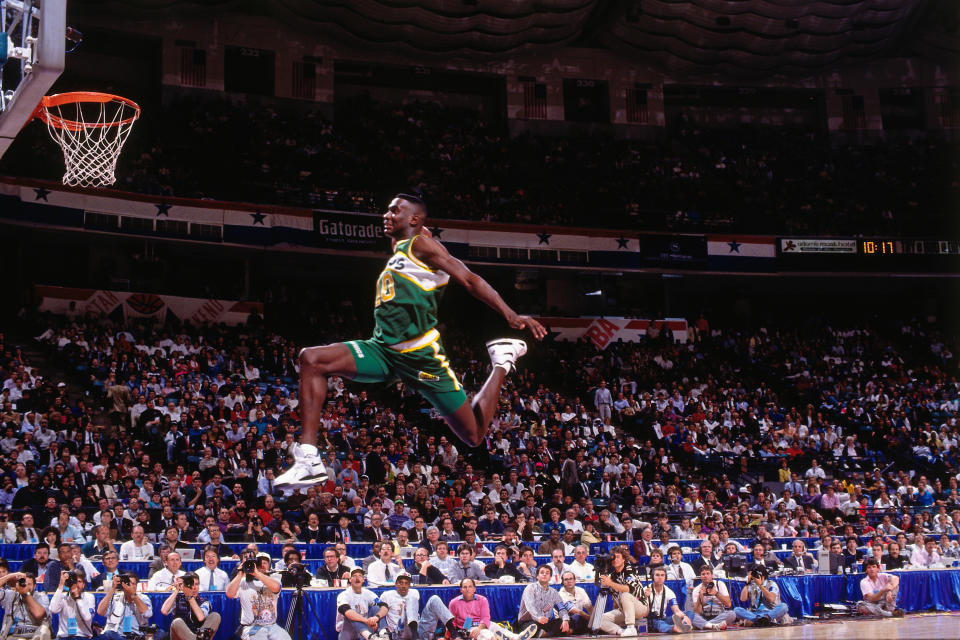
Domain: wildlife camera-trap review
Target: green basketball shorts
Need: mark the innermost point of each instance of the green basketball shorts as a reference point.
(420, 363)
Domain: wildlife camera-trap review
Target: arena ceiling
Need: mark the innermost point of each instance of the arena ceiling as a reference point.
(748, 37)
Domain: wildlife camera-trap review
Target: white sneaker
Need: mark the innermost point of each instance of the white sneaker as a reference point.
(307, 471)
(505, 351)
(628, 632)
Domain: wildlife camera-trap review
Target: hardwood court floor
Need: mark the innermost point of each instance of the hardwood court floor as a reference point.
(926, 626)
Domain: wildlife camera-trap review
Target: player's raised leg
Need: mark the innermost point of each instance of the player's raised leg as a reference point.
(472, 420)
(316, 365)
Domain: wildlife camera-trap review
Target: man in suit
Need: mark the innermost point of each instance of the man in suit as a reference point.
(631, 532)
(581, 490)
(706, 557)
(799, 560)
(375, 531)
(344, 531)
(759, 558)
(26, 532)
(100, 543)
(644, 545)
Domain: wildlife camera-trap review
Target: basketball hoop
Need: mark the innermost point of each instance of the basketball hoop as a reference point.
(91, 129)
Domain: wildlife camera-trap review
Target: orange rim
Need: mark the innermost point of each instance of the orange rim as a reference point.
(78, 97)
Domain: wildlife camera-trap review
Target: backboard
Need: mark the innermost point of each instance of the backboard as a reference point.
(33, 38)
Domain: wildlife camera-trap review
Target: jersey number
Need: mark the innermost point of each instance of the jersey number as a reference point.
(385, 289)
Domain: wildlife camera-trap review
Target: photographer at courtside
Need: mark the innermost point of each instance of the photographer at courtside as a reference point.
(709, 606)
(125, 609)
(24, 609)
(75, 606)
(258, 593)
(625, 584)
(763, 597)
(192, 618)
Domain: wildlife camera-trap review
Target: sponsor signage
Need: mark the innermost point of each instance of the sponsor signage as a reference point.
(673, 252)
(817, 245)
(335, 230)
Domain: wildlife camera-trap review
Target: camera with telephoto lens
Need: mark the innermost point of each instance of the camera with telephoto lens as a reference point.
(707, 586)
(188, 580)
(22, 582)
(73, 578)
(298, 576)
(758, 574)
(602, 566)
(249, 565)
(126, 580)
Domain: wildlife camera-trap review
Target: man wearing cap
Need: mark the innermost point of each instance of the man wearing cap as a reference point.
(258, 593)
(360, 612)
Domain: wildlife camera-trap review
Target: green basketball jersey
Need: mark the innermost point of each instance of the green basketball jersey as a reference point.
(408, 292)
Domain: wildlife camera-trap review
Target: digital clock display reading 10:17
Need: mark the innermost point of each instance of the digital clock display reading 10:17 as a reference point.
(880, 247)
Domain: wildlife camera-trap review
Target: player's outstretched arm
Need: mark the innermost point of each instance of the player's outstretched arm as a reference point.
(436, 256)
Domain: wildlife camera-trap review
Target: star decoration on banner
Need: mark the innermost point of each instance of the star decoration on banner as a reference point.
(622, 242)
(258, 217)
(42, 194)
(437, 232)
(735, 246)
(162, 209)
(544, 238)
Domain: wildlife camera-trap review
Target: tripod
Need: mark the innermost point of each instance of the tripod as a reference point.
(296, 616)
(599, 607)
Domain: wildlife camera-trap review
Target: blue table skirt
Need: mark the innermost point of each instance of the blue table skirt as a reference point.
(919, 591)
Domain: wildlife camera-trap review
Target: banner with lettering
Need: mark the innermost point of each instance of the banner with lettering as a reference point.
(198, 311)
(349, 231)
(601, 332)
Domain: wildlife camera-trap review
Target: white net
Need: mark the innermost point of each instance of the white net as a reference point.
(91, 129)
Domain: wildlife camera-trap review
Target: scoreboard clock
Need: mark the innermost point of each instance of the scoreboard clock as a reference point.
(879, 247)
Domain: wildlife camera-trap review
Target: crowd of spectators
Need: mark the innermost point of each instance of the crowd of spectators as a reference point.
(694, 179)
(168, 435)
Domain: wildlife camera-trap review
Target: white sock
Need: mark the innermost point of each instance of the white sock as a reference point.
(505, 366)
(308, 449)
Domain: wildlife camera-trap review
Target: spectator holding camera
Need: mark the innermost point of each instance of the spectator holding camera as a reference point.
(710, 606)
(256, 533)
(166, 577)
(192, 617)
(125, 610)
(24, 608)
(630, 602)
(763, 597)
(880, 591)
(74, 605)
(110, 560)
(258, 593)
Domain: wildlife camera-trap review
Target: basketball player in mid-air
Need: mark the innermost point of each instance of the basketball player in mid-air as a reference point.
(406, 343)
